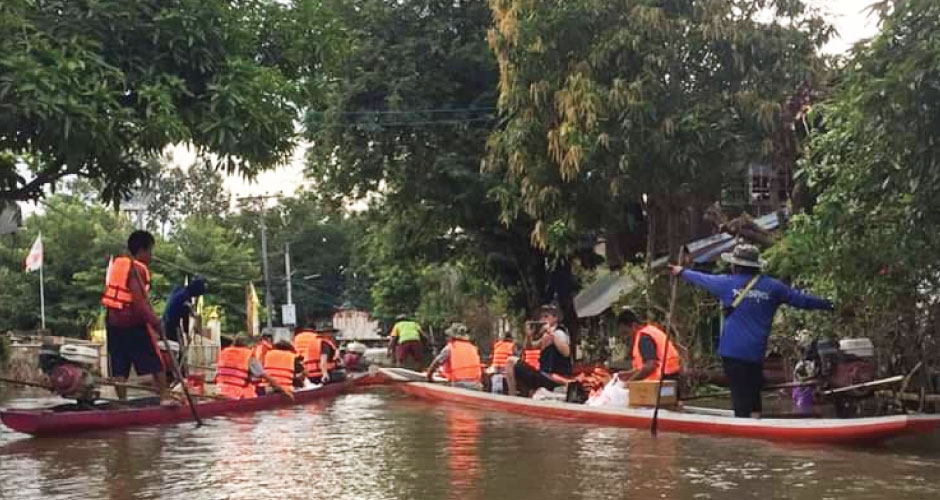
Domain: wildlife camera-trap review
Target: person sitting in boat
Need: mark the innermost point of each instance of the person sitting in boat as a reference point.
(648, 347)
(554, 360)
(750, 301)
(130, 320)
(264, 345)
(237, 370)
(304, 338)
(502, 350)
(459, 360)
(354, 360)
(322, 360)
(285, 367)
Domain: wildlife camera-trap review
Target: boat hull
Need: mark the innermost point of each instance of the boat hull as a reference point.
(828, 431)
(47, 422)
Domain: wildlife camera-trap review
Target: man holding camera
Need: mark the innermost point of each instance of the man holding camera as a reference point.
(554, 361)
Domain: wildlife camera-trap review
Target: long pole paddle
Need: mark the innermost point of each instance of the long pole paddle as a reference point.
(662, 363)
(173, 366)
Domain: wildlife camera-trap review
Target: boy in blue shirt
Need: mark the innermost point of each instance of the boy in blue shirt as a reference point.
(749, 301)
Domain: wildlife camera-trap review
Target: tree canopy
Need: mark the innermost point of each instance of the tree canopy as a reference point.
(90, 88)
(603, 102)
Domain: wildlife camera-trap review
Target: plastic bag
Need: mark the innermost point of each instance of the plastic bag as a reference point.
(613, 395)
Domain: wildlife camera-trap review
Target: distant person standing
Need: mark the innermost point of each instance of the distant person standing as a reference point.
(749, 301)
(406, 337)
(180, 308)
(130, 319)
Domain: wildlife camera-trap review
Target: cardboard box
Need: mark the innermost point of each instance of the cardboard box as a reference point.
(643, 393)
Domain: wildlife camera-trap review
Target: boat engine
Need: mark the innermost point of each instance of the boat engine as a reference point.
(837, 365)
(69, 369)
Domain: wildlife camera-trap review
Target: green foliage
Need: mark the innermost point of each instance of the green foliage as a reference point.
(4, 351)
(322, 248)
(203, 245)
(77, 241)
(873, 235)
(606, 101)
(90, 87)
(176, 194)
(404, 127)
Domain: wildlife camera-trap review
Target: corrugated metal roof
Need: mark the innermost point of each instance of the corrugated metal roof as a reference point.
(598, 296)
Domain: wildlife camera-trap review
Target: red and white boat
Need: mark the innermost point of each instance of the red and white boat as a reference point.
(689, 420)
(58, 421)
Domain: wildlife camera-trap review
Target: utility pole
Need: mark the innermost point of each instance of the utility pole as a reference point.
(268, 302)
(287, 272)
(289, 314)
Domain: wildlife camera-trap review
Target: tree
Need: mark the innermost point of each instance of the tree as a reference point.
(74, 273)
(204, 246)
(404, 125)
(176, 194)
(89, 88)
(605, 103)
(874, 164)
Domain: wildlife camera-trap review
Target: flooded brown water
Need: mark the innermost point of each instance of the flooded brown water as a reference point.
(381, 445)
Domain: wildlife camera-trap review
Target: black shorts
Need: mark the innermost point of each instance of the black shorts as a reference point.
(529, 379)
(135, 347)
(747, 380)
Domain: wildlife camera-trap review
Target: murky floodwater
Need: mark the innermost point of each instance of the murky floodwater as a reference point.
(382, 445)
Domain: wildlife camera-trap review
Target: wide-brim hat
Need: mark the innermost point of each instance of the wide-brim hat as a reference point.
(744, 256)
(457, 331)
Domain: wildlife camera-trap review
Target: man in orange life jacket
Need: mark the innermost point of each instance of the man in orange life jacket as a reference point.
(459, 360)
(284, 366)
(237, 369)
(130, 319)
(304, 338)
(263, 346)
(648, 348)
(502, 350)
(321, 359)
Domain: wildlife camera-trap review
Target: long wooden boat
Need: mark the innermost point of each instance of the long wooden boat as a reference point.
(64, 420)
(689, 420)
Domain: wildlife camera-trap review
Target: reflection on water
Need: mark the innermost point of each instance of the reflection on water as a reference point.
(384, 446)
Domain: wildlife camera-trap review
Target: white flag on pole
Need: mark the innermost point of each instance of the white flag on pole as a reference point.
(34, 259)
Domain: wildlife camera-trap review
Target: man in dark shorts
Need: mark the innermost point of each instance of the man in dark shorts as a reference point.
(130, 319)
(555, 359)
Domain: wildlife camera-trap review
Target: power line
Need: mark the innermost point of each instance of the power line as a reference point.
(487, 109)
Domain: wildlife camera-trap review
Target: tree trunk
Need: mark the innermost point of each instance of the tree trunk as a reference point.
(562, 284)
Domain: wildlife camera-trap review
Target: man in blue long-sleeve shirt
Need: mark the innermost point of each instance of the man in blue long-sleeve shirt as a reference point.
(748, 320)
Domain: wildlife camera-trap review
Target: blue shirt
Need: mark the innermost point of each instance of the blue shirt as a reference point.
(177, 306)
(745, 332)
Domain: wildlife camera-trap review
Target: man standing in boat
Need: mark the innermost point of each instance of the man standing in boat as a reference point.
(405, 344)
(130, 319)
(749, 301)
(554, 360)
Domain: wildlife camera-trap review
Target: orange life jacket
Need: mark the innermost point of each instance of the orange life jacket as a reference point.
(463, 365)
(673, 363)
(117, 293)
(279, 365)
(260, 350)
(312, 357)
(303, 340)
(531, 357)
(501, 351)
(232, 373)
